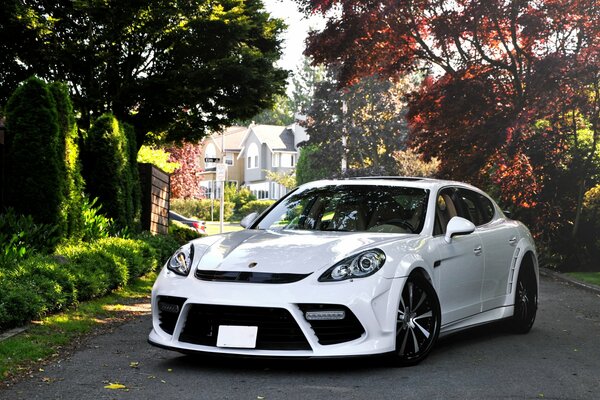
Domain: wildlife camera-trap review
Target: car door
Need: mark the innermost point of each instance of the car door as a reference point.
(499, 239)
(459, 268)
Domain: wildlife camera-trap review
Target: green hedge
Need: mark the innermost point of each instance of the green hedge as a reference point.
(42, 284)
(256, 206)
(200, 209)
(182, 233)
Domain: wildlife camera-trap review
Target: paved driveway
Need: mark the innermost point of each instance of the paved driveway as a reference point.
(558, 359)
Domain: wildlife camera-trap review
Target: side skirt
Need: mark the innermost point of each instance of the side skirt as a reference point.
(493, 315)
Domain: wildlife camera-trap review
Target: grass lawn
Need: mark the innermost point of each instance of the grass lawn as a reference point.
(46, 339)
(588, 277)
(212, 228)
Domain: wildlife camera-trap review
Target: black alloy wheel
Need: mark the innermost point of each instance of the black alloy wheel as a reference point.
(526, 296)
(418, 321)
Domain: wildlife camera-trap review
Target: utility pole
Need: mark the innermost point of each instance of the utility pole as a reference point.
(344, 138)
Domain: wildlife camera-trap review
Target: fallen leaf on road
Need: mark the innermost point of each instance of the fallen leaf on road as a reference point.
(134, 364)
(115, 386)
(170, 370)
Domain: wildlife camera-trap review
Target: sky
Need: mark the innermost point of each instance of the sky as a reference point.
(298, 27)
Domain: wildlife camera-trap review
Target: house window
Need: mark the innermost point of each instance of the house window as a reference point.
(276, 159)
(253, 156)
(210, 152)
(287, 160)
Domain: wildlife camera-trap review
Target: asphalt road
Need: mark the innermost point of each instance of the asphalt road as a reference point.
(558, 359)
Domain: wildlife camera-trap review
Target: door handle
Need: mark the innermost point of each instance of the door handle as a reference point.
(477, 251)
(512, 241)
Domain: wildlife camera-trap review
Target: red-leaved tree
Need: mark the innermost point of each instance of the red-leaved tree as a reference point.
(511, 101)
(185, 180)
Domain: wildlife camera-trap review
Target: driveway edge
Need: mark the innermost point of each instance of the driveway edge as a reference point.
(563, 277)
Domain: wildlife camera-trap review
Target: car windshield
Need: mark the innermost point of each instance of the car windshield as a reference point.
(350, 208)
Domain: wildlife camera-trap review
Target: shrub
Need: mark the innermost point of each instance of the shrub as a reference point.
(256, 206)
(107, 171)
(162, 246)
(200, 209)
(47, 283)
(182, 233)
(21, 235)
(70, 166)
(95, 224)
(34, 183)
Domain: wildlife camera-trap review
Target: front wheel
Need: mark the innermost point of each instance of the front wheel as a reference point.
(526, 295)
(418, 321)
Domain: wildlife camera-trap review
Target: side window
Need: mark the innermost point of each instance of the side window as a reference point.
(445, 209)
(475, 207)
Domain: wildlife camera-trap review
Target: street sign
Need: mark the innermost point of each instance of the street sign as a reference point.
(211, 159)
(221, 172)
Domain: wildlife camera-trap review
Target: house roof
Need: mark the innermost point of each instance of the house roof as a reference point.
(234, 136)
(278, 138)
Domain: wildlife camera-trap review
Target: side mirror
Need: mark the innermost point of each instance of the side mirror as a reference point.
(458, 226)
(248, 219)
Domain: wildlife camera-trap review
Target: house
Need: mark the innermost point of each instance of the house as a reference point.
(251, 152)
(230, 143)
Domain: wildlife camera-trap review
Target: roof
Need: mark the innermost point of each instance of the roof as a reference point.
(425, 183)
(278, 138)
(233, 136)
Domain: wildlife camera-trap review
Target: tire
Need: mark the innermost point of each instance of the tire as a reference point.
(417, 322)
(526, 299)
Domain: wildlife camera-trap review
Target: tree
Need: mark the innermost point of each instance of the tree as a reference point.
(310, 167)
(498, 70)
(107, 170)
(285, 179)
(70, 165)
(175, 68)
(35, 177)
(185, 180)
(303, 83)
(363, 123)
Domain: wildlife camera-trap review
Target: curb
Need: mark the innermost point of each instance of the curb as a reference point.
(13, 332)
(563, 277)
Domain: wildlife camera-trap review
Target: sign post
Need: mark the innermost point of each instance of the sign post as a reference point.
(221, 177)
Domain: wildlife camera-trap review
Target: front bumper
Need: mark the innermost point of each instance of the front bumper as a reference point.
(372, 300)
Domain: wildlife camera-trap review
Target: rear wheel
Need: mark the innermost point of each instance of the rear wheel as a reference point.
(526, 295)
(417, 322)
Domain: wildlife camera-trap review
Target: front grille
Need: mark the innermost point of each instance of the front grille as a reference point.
(169, 308)
(277, 329)
(334, 331)
(248, 277)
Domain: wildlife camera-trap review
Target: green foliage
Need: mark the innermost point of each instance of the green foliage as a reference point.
(287, 180)
(309, 167)
(43, 284)
(34, 176)
(108, 170)
(239, 197)
(157, 157)
(364, 124)
(163, 246)
(95, 224)
(133, 189)
(162, 66)
(256, 206)
(200, 209)
(70, 168)
(182, 233)
(21, 236)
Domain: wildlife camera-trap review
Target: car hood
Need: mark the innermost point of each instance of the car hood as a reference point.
(298, 252)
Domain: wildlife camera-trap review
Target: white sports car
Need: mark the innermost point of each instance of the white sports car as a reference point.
(350, 267)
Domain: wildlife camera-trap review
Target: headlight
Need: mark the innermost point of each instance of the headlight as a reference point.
(181, 261)
(358, 266)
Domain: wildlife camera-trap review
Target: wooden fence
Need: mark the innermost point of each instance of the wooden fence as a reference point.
(155, 185)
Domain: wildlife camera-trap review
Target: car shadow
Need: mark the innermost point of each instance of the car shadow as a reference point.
(203, 361)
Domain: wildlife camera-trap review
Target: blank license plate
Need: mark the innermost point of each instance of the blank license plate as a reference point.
(237, 336)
